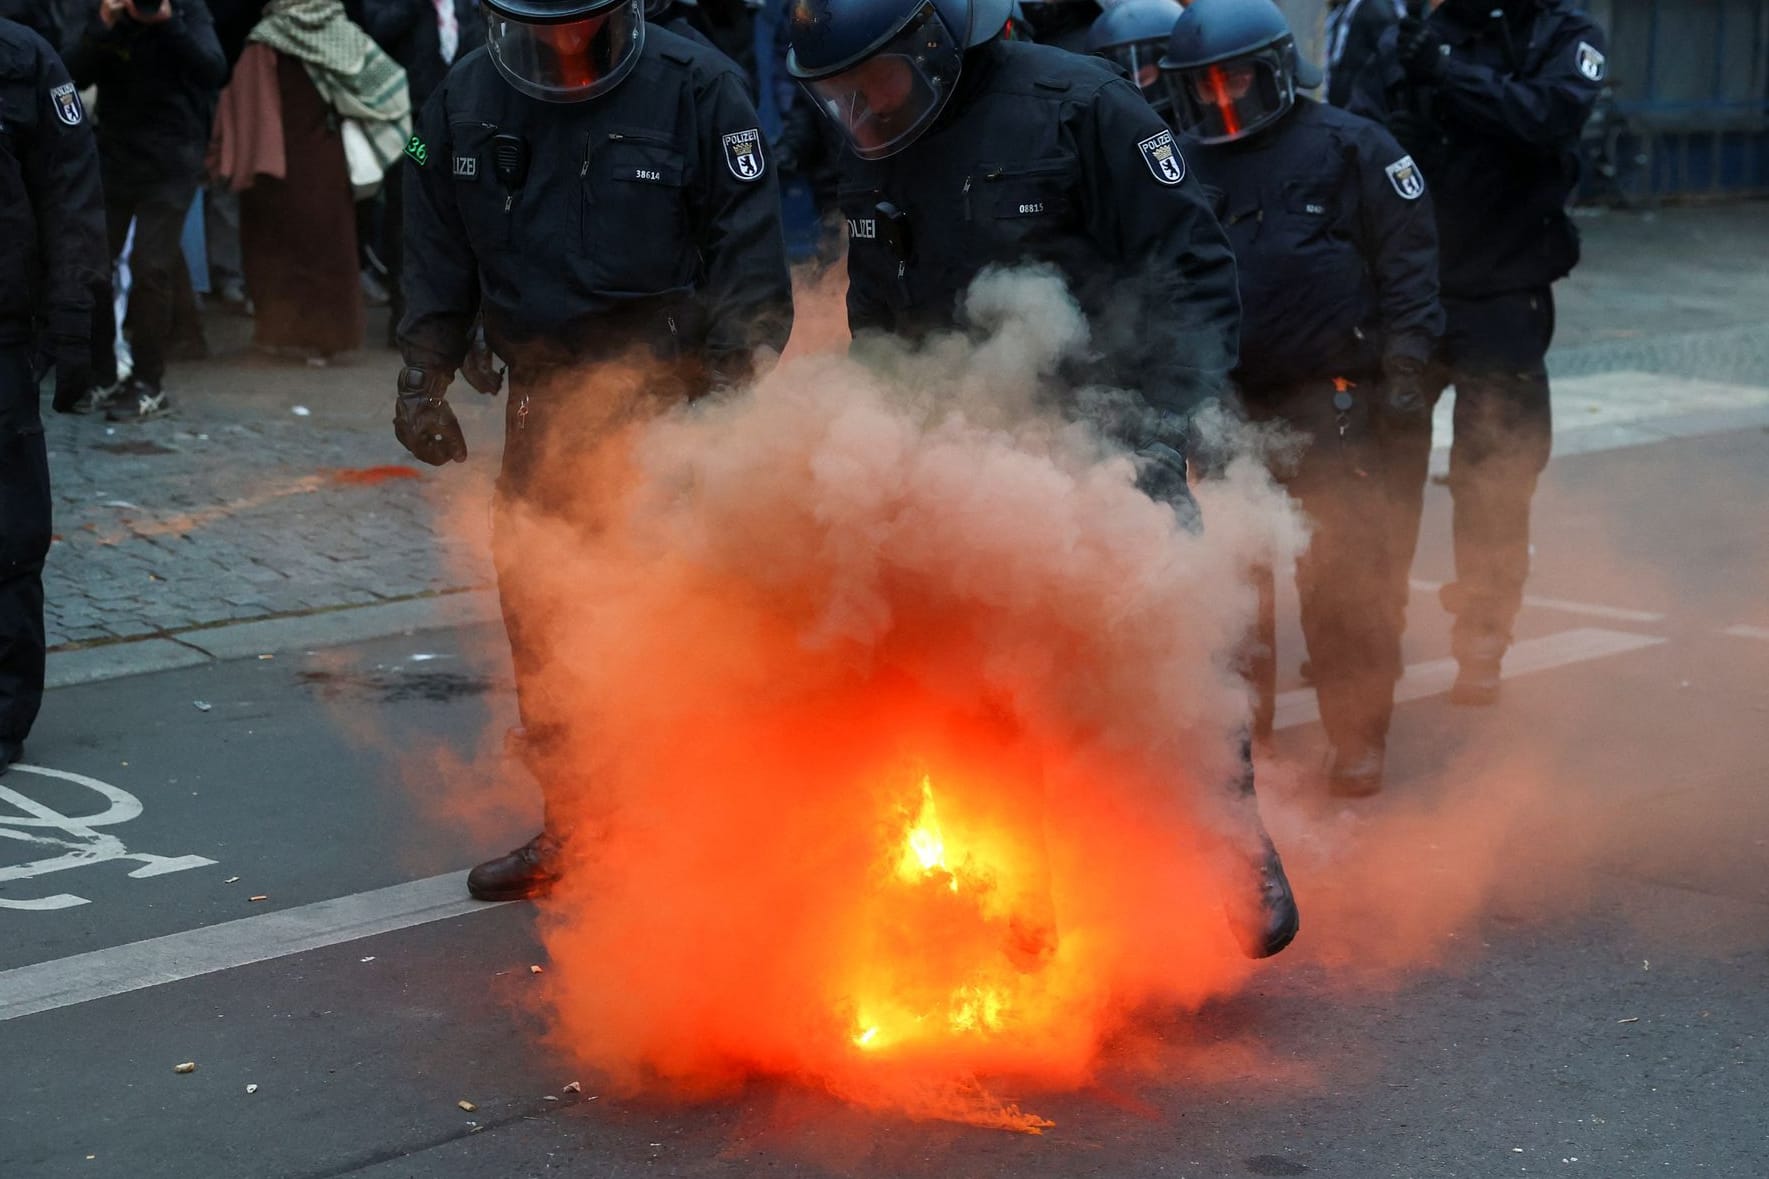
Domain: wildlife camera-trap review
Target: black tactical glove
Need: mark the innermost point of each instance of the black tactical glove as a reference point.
(422, 420)
(73, 372)
(1405, 404)
(478, 369)
(1420, 50)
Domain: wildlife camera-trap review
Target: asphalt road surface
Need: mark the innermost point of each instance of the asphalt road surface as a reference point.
(1601, 1011)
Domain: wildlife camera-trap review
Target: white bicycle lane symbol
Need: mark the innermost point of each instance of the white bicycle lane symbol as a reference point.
(76, 842)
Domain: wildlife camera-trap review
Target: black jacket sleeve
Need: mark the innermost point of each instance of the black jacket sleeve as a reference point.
(1399, 237)
(389, 22)
(86, 59)
(1372, 19)
(190, 36)
(1171, 329)
(1545, 108)
(746, 295)
(60, 164)
(440, 279)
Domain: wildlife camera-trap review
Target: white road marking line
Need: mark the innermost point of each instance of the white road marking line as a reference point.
(1748, 632)
(1613, 410)
(1564, 606)
(1300, 707)
(117, 970)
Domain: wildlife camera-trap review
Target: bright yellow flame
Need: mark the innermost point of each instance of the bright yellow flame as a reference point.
(924, 853)
(977, 1009)
(903, 1006)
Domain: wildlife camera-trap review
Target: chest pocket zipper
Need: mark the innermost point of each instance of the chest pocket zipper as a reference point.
(1035, 191)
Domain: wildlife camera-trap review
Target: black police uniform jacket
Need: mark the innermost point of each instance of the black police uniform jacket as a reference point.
(1335, 245)
(1049, 156)
(1502, 155)
(53, 260)
(1354, 35)
(158, 86)
(648, 216)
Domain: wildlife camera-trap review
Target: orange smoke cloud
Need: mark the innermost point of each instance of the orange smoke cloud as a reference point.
(897, 723)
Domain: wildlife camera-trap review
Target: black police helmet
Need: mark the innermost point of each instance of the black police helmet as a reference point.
(1134, 34)
(882, 70)
(564, 50)
(1232, 68)
(828, 36)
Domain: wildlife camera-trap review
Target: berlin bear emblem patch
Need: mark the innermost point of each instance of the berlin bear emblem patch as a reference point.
(1163, 158)
(1591, 61)
(67, 104)
(743, 154)
(1406, 178)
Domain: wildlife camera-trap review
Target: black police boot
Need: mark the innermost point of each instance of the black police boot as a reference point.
(529, 871)
(1270, 921)
(1355, 771)
(10, 751)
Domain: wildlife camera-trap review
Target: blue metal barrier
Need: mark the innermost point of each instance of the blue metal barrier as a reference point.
(1690, 110)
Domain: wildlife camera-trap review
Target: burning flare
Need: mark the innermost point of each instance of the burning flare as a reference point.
(897, 728)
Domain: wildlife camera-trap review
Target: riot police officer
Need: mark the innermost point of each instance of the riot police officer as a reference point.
(600, 189)
(1489, 96)
(969, 150)
(1337, 254)
(1134, 34)
(53, 267)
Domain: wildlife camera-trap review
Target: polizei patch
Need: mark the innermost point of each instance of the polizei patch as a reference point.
(67, 104)
(1406, 178)
(466, 167)
(1592, 63)
(1163, 158)
(743, 154)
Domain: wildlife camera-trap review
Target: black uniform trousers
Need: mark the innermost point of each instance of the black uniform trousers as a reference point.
(559, 427)
(24, 543)
(1349, 620)
(1493, 351)
(158, 207)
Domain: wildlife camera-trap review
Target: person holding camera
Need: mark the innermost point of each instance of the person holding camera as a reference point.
(159, 71)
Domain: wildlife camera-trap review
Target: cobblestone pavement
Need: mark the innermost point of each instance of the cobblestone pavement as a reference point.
(278, 489)
(239, 507)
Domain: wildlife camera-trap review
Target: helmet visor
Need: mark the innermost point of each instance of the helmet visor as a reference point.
(566, 61)
(1141, 60)
(1228, 100)
(882, 103)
